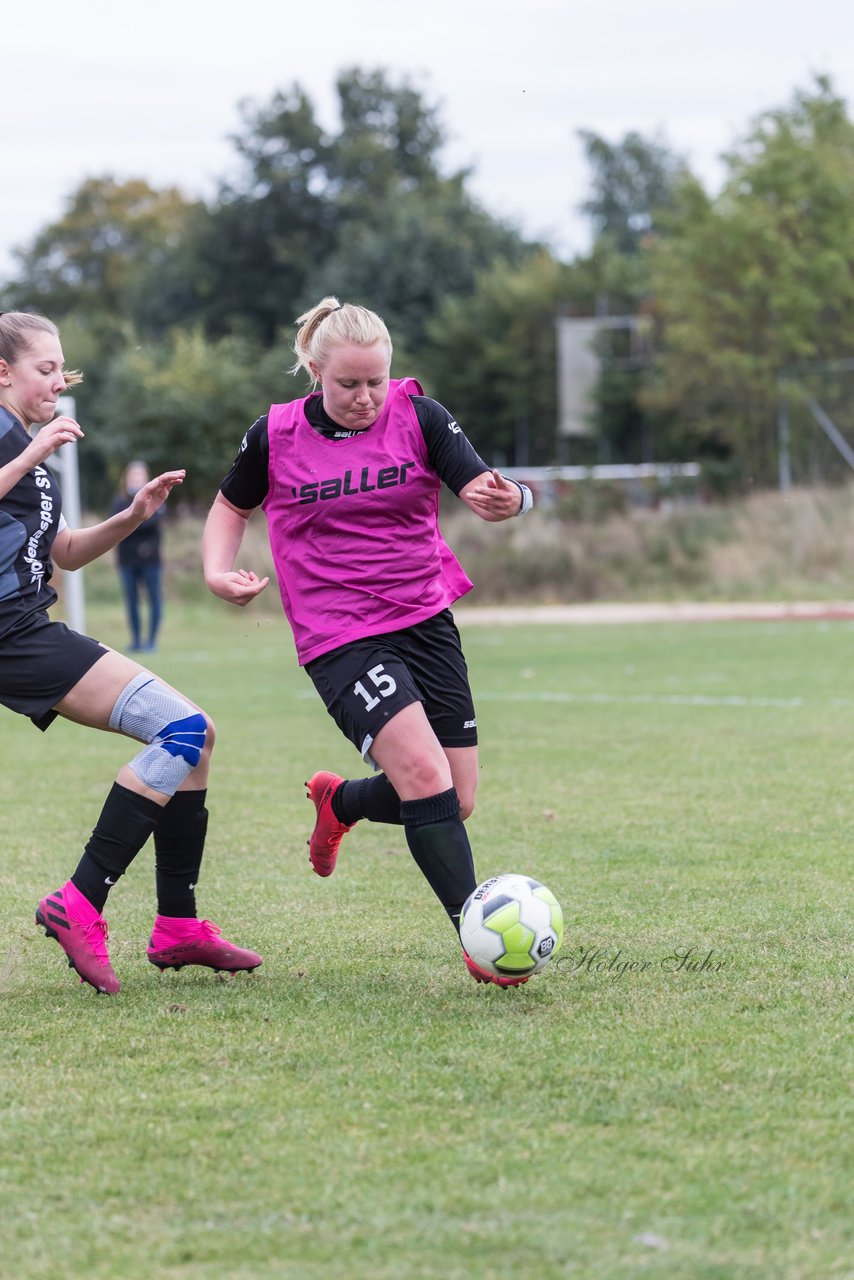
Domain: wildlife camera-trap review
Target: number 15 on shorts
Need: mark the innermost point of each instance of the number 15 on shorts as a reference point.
(383, 684)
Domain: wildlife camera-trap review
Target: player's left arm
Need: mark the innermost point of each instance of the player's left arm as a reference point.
(493, 497)
(484, 490)
(72, 548)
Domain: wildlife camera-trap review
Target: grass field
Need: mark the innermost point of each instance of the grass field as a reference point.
(671, 1098)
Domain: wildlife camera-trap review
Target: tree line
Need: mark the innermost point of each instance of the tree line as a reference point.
(180, 311)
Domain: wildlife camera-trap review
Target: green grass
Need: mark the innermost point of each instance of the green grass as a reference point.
(359, 1107)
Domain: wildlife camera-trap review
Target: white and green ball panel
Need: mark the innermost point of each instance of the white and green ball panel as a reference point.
(511, 925)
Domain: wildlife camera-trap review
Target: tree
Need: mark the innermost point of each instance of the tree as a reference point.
(633, 182)
(414, 252)
(172, 303)
(98, 261)
(389, 140)
(310, 211)
(269, 226)
(185, 402)
(757, 279)
(491, 359)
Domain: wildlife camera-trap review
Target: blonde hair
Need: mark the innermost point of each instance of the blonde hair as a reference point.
(330, 323)
(16, 328)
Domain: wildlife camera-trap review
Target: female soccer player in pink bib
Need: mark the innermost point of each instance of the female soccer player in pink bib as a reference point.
(349, 479)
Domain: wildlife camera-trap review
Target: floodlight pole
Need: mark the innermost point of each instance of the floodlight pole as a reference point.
(65, 459)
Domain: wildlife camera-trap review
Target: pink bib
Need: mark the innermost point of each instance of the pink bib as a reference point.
(354, 528)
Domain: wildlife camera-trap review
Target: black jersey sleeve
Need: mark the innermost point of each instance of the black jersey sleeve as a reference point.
(247, 483)
(452, 457)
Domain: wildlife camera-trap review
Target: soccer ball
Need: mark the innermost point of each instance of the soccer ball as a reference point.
(511, 925)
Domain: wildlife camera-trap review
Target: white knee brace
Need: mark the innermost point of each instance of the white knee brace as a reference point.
(175, 731)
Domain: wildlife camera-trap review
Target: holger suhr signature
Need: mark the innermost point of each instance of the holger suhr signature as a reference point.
(614, 962)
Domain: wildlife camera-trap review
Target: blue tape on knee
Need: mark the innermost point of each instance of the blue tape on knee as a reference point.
(185, 738)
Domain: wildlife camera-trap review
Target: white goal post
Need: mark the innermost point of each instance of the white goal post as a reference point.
(64, 462)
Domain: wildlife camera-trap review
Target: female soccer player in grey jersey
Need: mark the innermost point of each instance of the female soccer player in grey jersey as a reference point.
(47, 670)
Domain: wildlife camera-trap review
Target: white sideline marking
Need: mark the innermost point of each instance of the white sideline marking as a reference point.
(232, 655)
(596, 614)
(639, 699)
(649, 699)
(553, 696)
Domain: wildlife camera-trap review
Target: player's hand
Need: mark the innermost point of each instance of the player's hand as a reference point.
(493, 497)
(52, 436)
(239, 587)
(152, 495)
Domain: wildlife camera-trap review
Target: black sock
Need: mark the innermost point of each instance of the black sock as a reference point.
(127, 820)
(373, 798)
(439, 843)
(179, 842)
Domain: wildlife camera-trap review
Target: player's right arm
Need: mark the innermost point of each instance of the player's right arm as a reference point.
(243, 489)
(51, 437)
(223, 537)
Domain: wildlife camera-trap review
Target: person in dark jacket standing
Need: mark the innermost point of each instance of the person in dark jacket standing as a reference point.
(139, 562)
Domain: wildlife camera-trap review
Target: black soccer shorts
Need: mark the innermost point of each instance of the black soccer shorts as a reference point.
(40, 661)
(366, 682)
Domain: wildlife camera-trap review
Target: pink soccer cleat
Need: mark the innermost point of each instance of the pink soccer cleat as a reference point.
(328, 831)
(81, 931)
(176, 942)
(481, 975)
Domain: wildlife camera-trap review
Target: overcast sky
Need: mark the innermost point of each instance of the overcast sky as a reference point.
(152, 89)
